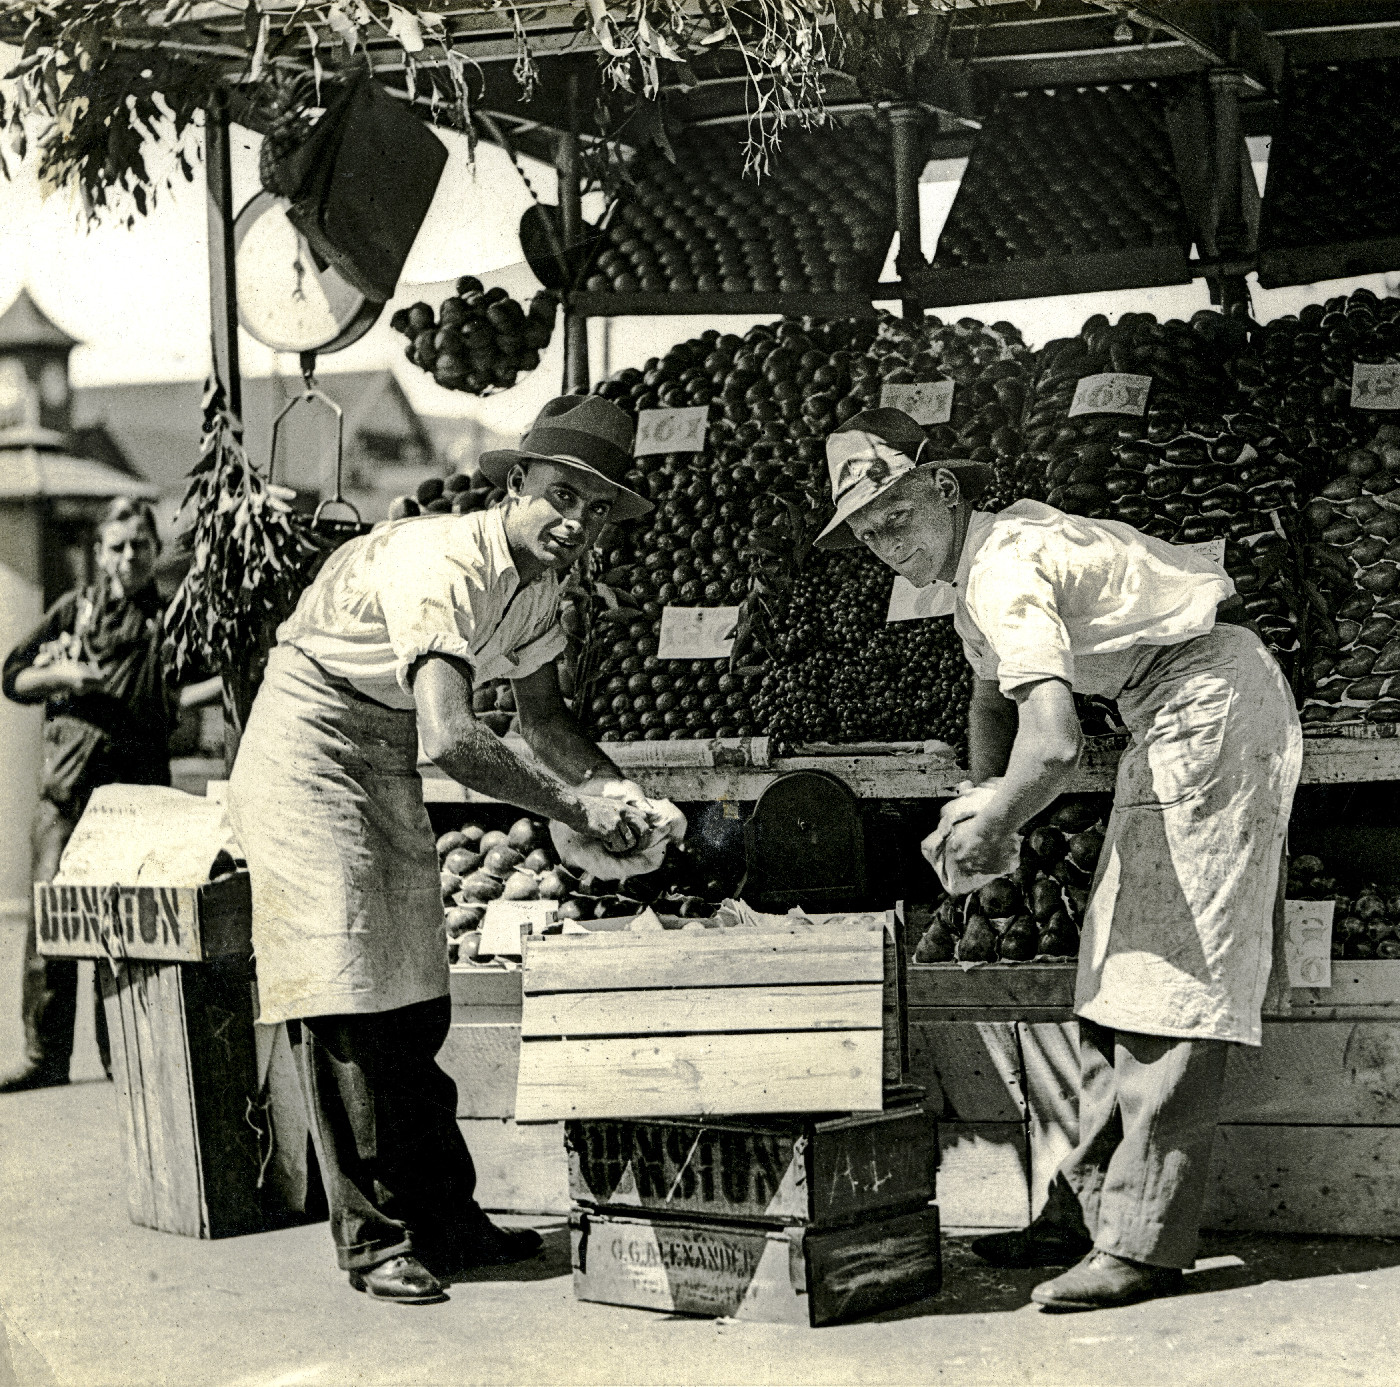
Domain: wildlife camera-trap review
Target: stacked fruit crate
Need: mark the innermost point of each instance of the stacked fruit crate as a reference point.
(740, 1138)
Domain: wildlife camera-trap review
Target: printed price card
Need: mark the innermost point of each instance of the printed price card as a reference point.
(925, 401)
(1375, 387)
(908, 603)
(671, 430)
(1113, 392)
(697, 633)
(1307, 942)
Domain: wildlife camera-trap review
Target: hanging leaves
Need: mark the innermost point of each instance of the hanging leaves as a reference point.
(251, 555)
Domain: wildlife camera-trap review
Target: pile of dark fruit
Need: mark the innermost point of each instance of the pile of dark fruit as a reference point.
(480, 340)
(1326, 184)
(1066, 172)
(840, 673)
(1366, 921)
(819, 220)
(1036, 911)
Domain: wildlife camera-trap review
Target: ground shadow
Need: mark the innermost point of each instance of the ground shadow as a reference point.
(971, 1287)
(553, 1261)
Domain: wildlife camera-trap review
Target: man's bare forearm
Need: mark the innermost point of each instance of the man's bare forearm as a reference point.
(558, 743)
(991, 732)
(475, 757)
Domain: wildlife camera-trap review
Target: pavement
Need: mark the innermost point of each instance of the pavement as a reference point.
(88, 1299)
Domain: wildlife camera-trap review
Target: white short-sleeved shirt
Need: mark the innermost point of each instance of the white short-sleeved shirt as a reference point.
(1041, 594)
(438, 584)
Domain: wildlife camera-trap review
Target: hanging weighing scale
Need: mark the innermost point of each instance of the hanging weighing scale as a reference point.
(291, 301)
(288, 298)
(336, 518)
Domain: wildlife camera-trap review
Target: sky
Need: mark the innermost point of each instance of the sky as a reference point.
(138, 298)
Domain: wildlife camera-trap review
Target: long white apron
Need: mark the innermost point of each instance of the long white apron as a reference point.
(328, 808)
(1178, 932)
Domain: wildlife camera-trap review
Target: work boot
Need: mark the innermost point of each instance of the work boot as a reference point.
(1056, 1237)
(1102, 1281)
(477, 1242)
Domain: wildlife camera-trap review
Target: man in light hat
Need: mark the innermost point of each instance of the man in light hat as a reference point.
(382, 652)
(1176, 945)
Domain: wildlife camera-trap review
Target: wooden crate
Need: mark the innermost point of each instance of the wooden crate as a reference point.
(1312, 1113)
(783, 1170)
(520, 1167)
(709, 1021)
(200, 1126)
(781, 1275)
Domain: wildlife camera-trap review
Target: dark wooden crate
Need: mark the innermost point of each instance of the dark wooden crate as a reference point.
(779, 1170)
(740, 1271)
(214, 1147)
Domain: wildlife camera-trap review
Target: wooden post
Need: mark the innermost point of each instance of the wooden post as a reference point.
(223, 333)
(223, 288)
(1231, 228)
(576, 373)
(908, 142)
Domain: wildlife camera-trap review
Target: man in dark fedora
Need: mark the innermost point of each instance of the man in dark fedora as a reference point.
(382, 652)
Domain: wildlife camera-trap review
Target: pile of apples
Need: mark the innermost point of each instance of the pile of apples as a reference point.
(1037, 910)
(479, 865)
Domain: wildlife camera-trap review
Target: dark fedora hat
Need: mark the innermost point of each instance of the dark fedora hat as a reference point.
(870, 453)
(585, 432)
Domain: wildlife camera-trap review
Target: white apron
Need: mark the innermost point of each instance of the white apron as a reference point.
(1178, 932)
(328, 808)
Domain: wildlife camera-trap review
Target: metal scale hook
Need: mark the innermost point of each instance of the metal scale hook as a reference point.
(340, 527)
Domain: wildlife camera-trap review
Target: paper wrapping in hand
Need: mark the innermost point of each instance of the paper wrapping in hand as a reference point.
(941, 846)
(589, 855)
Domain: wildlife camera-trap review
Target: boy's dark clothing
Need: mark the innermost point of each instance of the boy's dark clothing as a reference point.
(117, 734)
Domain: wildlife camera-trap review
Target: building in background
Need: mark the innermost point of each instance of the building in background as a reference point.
(389, 447)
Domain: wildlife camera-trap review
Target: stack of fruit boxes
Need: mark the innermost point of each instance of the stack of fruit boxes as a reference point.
(734, 1141)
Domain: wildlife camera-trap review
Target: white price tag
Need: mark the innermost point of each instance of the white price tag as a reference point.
(1113, 392)
(925, 401)
(908, 603)
(697, 633)
(1307, 942)
(506, 921)
(1375, 387)
(1213, 549)
(671, 430)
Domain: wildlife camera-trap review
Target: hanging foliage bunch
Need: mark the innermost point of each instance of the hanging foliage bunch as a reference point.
(251, 556)
(97, 81)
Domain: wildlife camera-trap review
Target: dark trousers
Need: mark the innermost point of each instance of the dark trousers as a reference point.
(1148, 1106)
(398, 1175)
(49, 988)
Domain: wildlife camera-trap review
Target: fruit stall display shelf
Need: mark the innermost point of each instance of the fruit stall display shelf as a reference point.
(1308, 1140)
(670, 769)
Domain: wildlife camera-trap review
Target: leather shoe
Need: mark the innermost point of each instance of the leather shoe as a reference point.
(1102, 1281)
(404, 1279)
(31, 1076)
(480, 1243)
(1039, 1245)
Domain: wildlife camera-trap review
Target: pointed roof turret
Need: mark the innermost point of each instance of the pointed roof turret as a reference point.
(25, 324)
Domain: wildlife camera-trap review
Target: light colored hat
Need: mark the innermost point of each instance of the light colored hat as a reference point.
(868, 454)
